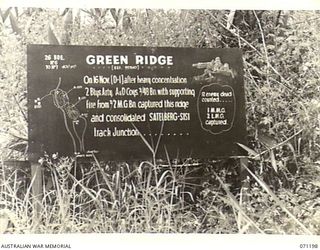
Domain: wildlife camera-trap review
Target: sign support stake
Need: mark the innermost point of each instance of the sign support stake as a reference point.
(245, 185)
(36, 177)
(244, 174)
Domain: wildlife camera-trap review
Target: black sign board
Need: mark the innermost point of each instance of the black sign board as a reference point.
(116, 100)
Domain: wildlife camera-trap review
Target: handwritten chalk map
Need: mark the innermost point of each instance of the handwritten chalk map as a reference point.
(70, 114)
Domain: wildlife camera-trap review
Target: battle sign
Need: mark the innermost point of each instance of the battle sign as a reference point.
(125, 102)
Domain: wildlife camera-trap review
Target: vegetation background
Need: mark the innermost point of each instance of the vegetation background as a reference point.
(281, 193)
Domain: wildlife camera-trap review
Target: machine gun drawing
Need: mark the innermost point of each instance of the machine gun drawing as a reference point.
(212, 68)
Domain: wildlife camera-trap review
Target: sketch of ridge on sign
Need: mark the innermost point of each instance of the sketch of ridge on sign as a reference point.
(70, 113)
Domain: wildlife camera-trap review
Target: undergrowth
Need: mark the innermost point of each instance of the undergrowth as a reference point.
(98, 197)
(276, 191)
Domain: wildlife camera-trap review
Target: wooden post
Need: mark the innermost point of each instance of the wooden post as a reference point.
(244, 182)
(245, 185)
(37, 194)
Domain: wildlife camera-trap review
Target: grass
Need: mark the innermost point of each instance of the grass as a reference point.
(142, 197)
(102, 200)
